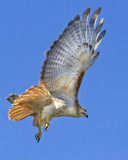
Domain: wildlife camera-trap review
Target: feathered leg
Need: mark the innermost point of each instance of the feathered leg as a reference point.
(30, 103)
(39, 123)
(39, 134)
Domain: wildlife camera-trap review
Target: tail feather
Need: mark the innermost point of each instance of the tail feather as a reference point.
(30, 102)
(17, 113)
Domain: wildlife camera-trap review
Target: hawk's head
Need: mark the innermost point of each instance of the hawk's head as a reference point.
(81, 111)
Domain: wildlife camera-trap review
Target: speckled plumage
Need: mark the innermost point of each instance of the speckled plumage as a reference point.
(62, 72)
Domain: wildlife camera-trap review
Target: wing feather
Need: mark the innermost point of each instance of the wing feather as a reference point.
(71, 55)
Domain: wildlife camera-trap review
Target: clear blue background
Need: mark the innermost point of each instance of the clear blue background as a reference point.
(27, 28)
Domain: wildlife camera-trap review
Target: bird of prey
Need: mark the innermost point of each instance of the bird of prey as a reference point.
(62, 72)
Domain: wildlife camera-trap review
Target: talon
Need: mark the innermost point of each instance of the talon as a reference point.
(46, 127)
(38, 136)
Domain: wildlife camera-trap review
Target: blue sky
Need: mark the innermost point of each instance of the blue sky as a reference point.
(27, 29)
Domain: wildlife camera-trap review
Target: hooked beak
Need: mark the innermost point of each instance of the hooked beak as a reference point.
(86, 115)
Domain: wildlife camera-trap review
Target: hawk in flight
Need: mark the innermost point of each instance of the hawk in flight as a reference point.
(62, 72)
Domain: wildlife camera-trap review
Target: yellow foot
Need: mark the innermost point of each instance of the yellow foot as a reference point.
(46, 127)
(38, 136)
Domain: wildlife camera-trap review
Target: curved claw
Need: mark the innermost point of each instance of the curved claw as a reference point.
(46, 127)
(38, 136)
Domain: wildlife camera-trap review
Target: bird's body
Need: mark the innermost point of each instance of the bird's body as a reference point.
(66, 63)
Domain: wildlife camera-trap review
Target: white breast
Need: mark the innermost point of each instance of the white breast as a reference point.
(48, 111)
(69, 111)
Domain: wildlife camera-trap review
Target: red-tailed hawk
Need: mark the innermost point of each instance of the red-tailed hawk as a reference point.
(66, 63)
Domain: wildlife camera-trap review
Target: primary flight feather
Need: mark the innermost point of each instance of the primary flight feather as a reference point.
(62, 72)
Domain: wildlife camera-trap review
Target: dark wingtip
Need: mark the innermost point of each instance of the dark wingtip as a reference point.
(99, 8)
(104, 31)
(11, 97)
(97, 11)
(69, 24)
(7, 98)
(77, 17)
(87, 11)
(98, 53)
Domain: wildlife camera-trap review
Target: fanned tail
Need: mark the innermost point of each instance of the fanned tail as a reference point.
(29, 102)
(19, 112)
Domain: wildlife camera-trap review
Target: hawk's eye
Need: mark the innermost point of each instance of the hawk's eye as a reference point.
(85, 110)
(84, 113)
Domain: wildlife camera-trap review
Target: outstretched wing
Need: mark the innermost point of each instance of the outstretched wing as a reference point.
(71, 55)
